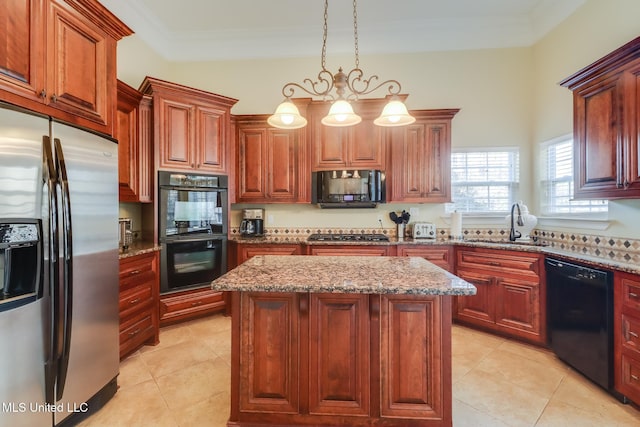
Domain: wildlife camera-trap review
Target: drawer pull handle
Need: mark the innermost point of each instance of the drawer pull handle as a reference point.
(633, 334)
(134, 301)
(134, 272)
(494, 263)
(193, 304)
(136, 332)
(633, 295)
(634, 377)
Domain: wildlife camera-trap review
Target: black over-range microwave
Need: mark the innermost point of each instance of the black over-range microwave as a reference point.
(348, 188)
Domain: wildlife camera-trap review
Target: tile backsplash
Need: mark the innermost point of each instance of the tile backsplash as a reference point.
(618, 249)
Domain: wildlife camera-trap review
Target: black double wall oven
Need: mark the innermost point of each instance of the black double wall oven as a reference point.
(192, 229)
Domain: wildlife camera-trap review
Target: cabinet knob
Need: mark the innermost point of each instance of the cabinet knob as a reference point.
(134, 272)
(43, 94)
(54, 98)
(134, 301)
(633, 334)
(634, 377)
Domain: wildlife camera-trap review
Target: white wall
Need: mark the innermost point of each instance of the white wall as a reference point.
(507, 97)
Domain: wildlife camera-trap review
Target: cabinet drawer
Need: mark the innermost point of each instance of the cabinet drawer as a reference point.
(135, 299)
(631, 294)
(631, 333)
(630, 377)
(504, 262)
(135, 331)
(174, 308)
(137, 270)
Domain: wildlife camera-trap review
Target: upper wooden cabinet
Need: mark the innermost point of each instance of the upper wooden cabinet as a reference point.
(192, 129)
(134, 145)
(58, 57)
(606, 113)
(271, 164)
(421, 158)
(354, 147)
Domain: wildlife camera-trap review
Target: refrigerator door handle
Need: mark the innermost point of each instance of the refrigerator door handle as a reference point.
(67, 251)
(51, 319)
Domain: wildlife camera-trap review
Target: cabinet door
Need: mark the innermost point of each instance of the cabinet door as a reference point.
(409, 173)
(252, 162)
(329, 145)
(175, 126)
(79, 77)
(22, 50)
(127, 135)
(478, 308)
(367, 147)
(402, 356)
(210, 140)
(283, 166)
(517, 306)
(598, 133)
(269, 353)
(339, 358)
(145, 151)
(437, 173)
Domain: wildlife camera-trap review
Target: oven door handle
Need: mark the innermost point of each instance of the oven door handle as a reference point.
(206, 239)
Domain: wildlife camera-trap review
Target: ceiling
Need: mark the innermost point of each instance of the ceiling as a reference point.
(200, 30)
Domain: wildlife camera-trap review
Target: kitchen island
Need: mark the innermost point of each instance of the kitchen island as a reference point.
(341, 341)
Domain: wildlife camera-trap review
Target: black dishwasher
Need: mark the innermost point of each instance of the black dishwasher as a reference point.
(580, 318)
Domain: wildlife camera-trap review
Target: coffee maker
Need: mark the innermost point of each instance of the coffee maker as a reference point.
(252, 224)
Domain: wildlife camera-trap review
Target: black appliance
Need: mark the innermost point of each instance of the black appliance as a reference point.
(580, 318)
(352, 237)
(193, 212)
(348, 188)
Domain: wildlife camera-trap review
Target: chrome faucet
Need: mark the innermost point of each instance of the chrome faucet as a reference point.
(513, 233)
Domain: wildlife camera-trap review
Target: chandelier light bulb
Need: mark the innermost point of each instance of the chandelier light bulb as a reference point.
(287, 119)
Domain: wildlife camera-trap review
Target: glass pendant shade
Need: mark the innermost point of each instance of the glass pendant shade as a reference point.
(287, 116)
(394, 114)
(341, 114)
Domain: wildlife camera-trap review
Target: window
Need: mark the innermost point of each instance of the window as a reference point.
(557, 181)
(484, 181)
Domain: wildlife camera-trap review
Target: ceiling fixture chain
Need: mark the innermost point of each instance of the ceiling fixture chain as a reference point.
(287, 115)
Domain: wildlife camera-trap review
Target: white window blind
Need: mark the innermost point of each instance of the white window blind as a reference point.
(484, 181)
(557, 181)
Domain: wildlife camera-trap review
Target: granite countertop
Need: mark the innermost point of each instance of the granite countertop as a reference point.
(139, 248)
(342, 274)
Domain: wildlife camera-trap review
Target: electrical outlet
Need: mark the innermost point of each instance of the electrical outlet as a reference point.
(270, 219)
(414, 211)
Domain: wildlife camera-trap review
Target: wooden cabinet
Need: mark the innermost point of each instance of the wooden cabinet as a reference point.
(439, 255)
(606, 115)
(510, 296)
(139, 292)
(353, 250)
(626, 335)
(58, 57)
(191, 127)
(362, 146)
(341, 359)
(243, 252)
(187, 305)
(421, 158)
(272, 164)
(134, 145)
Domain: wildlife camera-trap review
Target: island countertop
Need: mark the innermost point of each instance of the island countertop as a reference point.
(342, 274)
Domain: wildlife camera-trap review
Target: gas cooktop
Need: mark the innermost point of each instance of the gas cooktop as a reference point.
(373, 237)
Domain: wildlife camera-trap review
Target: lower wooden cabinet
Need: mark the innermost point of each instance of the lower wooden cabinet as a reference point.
(352, 250)
(341, 359)
(511, 292)
(439, 255)
(626, 335)
(186, 305)
(139, 291)
(240, 252)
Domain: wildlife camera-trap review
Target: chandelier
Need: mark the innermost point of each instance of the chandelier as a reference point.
(348, 87)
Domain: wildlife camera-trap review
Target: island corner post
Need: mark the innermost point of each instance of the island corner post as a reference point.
(339, 349)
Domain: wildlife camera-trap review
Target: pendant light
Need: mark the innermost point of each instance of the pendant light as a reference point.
(287, 115)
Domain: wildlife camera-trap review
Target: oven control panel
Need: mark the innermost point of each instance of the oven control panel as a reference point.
(424, 230)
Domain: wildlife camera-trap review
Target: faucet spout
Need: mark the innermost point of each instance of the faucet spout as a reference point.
(513, 233)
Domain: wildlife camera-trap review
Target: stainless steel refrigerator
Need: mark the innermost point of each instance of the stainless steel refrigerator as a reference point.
(58, 270)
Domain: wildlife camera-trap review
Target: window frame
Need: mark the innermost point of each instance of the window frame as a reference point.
(513, 185)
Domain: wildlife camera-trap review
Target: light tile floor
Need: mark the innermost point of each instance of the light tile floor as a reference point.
(184, 381)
